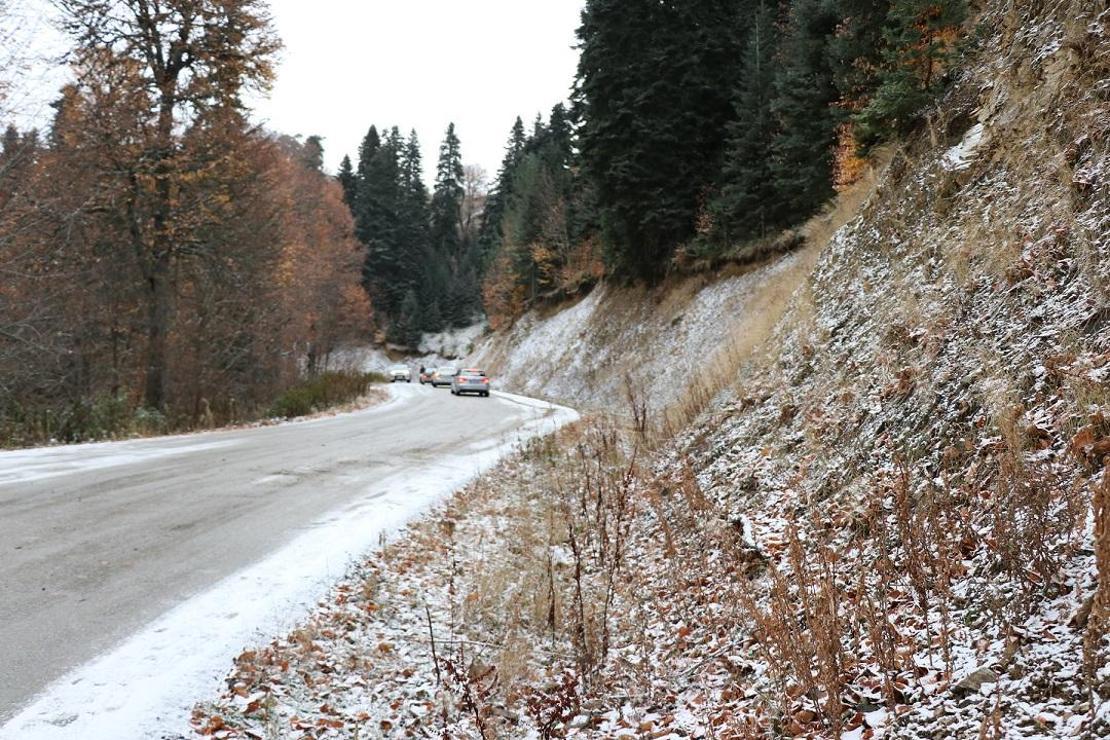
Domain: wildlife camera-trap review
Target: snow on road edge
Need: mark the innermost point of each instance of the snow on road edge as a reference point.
(148, 684)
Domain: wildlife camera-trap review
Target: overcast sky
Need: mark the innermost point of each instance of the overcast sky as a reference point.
(412, 63)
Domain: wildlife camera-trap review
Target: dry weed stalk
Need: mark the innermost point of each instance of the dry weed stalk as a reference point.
(930, 550)
(474, 684)
(596, 512)
(1095, 643)
(1035, 518)
(801, 630)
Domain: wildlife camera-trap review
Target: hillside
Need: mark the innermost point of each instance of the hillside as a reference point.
(656, 340)
(893, 519)
(669, 343)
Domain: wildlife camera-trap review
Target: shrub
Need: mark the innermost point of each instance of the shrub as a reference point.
(322, 391)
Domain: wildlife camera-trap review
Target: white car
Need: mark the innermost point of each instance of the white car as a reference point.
(400, 373)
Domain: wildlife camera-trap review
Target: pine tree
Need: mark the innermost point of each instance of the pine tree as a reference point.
(390, 268)
(489, 236)
(447, 198)
(414, 202)
(654, 82)
(919, 40)
(9, 145)
(406, 328)
(416, 236)
(348, 181)
(366, 219)
(805, 96)
(748, 205)
(856, 50)
(312, 153)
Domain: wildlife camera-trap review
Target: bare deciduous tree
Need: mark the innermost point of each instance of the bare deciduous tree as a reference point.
(179, 66)
(475, 190)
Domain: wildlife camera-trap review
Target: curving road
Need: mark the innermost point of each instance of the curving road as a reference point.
(97, 541)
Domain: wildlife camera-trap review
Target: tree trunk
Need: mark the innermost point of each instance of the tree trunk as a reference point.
(159, 306)
(159, 285)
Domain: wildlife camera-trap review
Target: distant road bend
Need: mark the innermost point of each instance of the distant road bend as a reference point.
(99, 540)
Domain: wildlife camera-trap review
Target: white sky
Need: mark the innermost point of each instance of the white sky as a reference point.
(412, 63)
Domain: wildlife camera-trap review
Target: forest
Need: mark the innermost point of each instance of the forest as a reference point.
(701, 133)
(167, 262)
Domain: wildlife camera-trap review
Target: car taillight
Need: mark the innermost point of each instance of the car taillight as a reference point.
(485, 380)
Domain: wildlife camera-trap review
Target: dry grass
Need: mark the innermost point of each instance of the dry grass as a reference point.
(787, 291)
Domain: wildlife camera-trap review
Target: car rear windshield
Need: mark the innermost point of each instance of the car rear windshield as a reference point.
(479, 373)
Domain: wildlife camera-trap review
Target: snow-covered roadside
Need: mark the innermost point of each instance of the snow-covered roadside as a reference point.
(17, 463)
(588, 353)
(24, 466)
(149, 683)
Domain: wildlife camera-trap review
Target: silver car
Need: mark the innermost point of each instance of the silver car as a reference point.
(470, 380)
(400, 373)
(443, 376)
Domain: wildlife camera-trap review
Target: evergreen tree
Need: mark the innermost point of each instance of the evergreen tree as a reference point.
(405, 330)
(489, 236)
(367, 151)
(536, 222)
(517, 142)
(428, 277)
(804, 106)
(747, 204)
(367, 219)
(560, 137)
(348, 181)
(390, 268)
(654, 82)
(919, 40)
(856, 50)
(412, 170)
(414, 202)
(9, 145)
(447, 198)
(312, 153)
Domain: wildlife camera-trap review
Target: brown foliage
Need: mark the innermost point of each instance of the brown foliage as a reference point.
(265, 281)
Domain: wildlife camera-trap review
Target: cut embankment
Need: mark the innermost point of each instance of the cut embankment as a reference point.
(676, 345)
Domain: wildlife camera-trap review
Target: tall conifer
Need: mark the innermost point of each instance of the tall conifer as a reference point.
(747, 203)
(804, 106)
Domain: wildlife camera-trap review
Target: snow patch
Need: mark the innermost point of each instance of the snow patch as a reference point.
(453, 343)
(963, 154)
(25, 466)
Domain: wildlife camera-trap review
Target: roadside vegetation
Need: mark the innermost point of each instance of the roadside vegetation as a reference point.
(322, 392)
(113, 417)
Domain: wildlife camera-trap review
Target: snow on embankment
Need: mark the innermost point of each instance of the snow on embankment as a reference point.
(659, 340)
(921, 458)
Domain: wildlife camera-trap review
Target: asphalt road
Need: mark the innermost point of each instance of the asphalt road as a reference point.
(98, 540)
